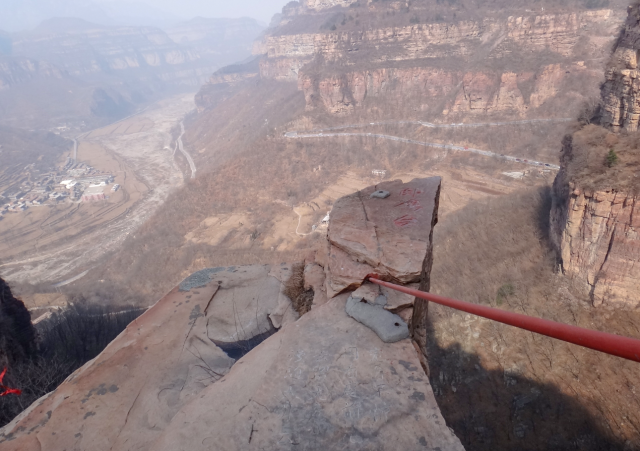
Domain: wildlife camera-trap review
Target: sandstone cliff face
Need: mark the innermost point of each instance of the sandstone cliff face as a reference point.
(476, 92)
(558, 33)
(600, 244)
(393, 63)
(87, 51)
(621, 90)
(595, 230)
(15, 71)
(185, 55)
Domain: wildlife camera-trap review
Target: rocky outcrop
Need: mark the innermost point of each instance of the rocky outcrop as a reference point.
(97, 49)
(186, 55)
(557, 33)
(390, 237)
(477, 92)
(594, 216)
(170, 381)
(416, 66)
(283, 69)
(128, 395)
(17, 335)
(600, 244)
(621, 90)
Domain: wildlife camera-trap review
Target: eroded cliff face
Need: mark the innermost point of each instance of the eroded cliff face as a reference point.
(473, 92)
(15, 71)
(491, 65)
(600, 245)
(104, 50)
(595, 214)
(621, 90)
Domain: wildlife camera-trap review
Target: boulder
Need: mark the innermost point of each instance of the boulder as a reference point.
(325, 382)
(390, 236)
(131, 392)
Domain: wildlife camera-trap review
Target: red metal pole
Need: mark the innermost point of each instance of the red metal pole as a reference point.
(627, 348)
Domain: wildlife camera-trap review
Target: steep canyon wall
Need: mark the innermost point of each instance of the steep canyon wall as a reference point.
(501, 64)
(595, 214)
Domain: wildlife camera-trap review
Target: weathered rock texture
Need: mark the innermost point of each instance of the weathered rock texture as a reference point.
(131, 392)
(323, 382)
(390, 237)
(595, 231)
(418, 66)
(318, 5)
(600, 245)
(621, 90)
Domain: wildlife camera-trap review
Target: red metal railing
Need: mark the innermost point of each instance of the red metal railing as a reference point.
(627, 348)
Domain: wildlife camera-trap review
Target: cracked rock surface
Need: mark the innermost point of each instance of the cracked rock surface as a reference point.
(130, 393)
(389, 236)
(324, 382)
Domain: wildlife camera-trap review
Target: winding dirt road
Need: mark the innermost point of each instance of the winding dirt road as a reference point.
(321, 133)
(192, 164)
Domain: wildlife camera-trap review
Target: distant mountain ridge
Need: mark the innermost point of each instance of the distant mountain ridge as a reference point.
(129, 64)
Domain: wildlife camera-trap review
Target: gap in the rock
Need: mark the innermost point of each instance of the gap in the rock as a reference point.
(238, 349)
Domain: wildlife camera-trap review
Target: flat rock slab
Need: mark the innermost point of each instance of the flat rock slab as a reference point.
(388, 326)
(390, 236)
(324, 382)
(130, 393)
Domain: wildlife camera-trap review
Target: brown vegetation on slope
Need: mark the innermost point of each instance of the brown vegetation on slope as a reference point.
(589, 165)
(382, 13)
(500, 387)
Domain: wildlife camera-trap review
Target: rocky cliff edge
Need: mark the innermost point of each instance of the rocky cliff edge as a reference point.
(187, 374)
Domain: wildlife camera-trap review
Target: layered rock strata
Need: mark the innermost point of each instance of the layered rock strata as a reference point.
(475, 92)
(558, 33)
(416, 67)
(595, 231)
(621, 90)
(391, 237)
(600, 245)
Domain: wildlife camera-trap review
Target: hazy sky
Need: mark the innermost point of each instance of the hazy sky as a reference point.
(259, 9)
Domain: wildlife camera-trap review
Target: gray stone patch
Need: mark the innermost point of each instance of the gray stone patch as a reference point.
(200, 278)
(418, 396)
(388, 326)
(195, 314)
(408, 366)
(380, 194)
(381, 300)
